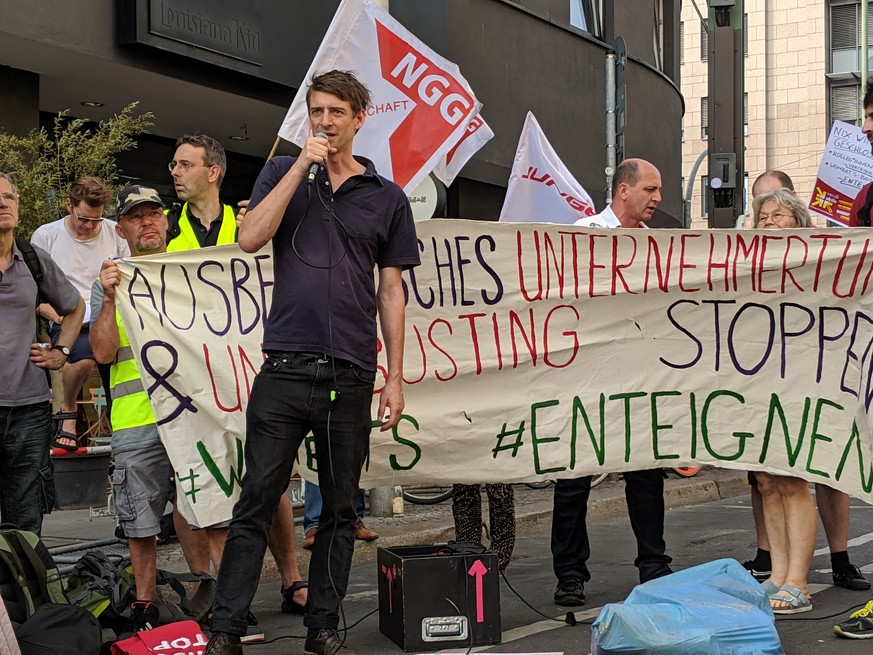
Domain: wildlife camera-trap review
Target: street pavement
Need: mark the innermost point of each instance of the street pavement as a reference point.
(709, 517)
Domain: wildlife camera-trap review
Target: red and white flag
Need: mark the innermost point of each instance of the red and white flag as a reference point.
(541, 188)
(475, 136)
(422, 104)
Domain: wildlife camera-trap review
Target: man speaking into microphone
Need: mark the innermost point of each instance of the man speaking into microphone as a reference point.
(331, 219)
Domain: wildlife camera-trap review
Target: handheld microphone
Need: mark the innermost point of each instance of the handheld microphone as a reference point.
(314, 168)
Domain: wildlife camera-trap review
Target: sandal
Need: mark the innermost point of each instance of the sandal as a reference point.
(795, 600)
(289, 605)
(63, 439)
(769, 588)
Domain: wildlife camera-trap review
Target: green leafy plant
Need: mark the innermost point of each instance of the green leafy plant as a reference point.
(44, 163)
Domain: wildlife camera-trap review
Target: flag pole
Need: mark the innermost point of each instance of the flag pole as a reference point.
(273, 149)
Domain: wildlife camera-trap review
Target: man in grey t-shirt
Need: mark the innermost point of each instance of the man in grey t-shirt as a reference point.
(26, 486)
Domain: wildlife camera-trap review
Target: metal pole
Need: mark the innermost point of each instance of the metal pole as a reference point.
(864, 60)
(689, 189)
(610, 124)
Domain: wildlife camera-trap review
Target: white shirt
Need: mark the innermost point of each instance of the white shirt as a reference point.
(606, 218)
(80, 260)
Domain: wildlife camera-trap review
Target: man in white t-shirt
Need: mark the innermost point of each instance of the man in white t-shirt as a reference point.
(78, 243)
(636, 192)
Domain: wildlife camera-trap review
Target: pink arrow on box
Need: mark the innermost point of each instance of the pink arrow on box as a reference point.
(478, 570)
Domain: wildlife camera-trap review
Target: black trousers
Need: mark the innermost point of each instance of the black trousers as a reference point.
(644, 494)
(291, 396)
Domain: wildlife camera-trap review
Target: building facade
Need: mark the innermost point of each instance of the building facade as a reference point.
(802, 73)
(230, 69)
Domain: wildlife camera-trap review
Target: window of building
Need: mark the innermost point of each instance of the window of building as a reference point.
(681, 43)
(845, 35)
(658, 34)
(704, 40)
(587, 15)
(704, 187)
(846, 103)
(704, 117)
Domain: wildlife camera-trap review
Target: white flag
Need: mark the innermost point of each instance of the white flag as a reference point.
(540, 187)
(475, 136)
(421, 102)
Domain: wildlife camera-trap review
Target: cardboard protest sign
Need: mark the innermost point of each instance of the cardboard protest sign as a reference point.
(422, 105)
(846, 166)
(544, 351)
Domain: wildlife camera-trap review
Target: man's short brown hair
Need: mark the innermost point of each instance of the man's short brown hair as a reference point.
(213, 155)
(92, 190)
(344, 85)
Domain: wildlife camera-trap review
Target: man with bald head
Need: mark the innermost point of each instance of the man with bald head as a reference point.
(771, 180)
(636, 192)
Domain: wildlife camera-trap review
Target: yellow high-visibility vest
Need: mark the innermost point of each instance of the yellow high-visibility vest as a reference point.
(187, 240)
(130, 402)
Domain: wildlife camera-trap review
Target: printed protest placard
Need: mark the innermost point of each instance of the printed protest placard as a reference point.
(543, 351)
(846, 166)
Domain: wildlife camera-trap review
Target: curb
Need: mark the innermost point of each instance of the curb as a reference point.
(537, 518)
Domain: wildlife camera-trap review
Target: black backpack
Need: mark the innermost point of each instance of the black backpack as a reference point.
(60, 630)
(31, 259)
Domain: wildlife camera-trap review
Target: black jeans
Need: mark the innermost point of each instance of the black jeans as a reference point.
(290, 397)
(644, 494)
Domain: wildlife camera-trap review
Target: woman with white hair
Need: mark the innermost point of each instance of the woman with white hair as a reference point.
(789, 510)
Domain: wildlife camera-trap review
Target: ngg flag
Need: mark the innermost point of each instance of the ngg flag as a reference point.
(421, 104)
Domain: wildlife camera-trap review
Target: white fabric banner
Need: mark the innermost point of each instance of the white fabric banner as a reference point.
(476, 135)
(543, 351)
(422, 104)
(540, 185)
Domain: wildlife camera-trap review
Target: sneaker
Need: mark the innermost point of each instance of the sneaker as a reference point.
(570, 592)
(851, 577)
(858, 626)
(144, 615)
(759, 570)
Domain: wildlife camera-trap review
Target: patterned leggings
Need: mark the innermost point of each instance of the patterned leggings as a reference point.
(467, 510)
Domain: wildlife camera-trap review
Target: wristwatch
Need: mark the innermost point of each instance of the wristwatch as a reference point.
(63, 349)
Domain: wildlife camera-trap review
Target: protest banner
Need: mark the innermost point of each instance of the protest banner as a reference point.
(540, 185)
(846, 166)
(421, 104)
(539, 351)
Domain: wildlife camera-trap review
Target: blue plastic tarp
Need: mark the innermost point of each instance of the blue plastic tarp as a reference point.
(711, 609)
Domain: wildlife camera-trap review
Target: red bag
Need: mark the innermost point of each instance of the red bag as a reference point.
(180, 638)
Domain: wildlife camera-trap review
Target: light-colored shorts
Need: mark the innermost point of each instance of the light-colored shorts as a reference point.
(142, 485)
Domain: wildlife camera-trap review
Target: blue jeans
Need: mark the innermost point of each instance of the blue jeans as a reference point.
(291, 396)
(312, 505)
(27, 489)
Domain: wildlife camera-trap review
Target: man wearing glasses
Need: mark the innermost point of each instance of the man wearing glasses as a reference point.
(142, 481)
(26, 487)
(198, 167)
(78, 243)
